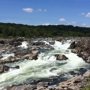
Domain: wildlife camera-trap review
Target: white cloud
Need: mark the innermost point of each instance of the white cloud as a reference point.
(39, 10)
(84, 24)
(72, 23)
(62, 20)
(88, 15)
(88, 26)
(46, 24)
(82, 13)
(30, 10)
(45, 10)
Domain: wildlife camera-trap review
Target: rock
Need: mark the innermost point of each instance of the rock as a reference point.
(3, 68)
(60, 57)
(52, 42)
(21, 87)
(74, 72)
(86, 74)
(22, 52)
(51, 70)
(73, 88)
(88, 59)
(38, 43)
(43, 84)
(6, 68)
(2, 42)
(72, 46)
(32, 55)
(78, 80)
(17, 67)
(74, 51)
(36, 81)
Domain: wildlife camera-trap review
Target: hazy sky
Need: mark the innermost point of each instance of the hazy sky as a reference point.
(44, 12)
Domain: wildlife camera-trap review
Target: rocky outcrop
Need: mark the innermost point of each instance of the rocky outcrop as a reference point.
(82, 48)
(60, 57)
(74, 83)
(32, 55)
(72, 46)
(16, 42)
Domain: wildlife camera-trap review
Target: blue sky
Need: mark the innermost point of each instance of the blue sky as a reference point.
(45, 12)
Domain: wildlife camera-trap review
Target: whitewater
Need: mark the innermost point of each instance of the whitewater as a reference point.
(41, 68)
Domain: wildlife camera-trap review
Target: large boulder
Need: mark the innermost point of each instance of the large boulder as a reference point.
(72, 46)
(16, 42)
(60, 57)
(32, 55)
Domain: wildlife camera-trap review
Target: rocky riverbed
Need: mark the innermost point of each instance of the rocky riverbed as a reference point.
(44, 63)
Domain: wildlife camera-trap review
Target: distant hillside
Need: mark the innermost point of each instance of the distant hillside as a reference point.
(20, 30)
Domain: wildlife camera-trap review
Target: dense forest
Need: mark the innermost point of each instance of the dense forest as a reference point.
(20, 30)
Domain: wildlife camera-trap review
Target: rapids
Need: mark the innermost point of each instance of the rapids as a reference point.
(38, 69)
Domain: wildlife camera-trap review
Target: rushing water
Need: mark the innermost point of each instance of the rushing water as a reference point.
(38, 69)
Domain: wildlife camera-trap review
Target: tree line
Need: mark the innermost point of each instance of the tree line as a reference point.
(20, 30)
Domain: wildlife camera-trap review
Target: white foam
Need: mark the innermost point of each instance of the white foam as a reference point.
(34, 69)
(5, 56)
(24, 45)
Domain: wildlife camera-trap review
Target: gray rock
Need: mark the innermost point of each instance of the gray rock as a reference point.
(3, 68)
(86, 74)
(60, 57)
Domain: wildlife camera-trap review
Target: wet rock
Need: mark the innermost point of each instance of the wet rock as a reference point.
(72, 46)
(10, 59)
(51, 70)
(60, 57)
(2, 42)
(38, 43)
(3, 68)
(36, 81)
(74, 73)
(17, 67)
(43, 84)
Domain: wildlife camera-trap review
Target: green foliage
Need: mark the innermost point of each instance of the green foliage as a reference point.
(85, 88)
(20, 30)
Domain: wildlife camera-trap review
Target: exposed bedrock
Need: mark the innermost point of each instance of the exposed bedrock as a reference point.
(82, 48)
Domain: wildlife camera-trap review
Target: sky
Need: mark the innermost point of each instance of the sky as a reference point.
(46, 12)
